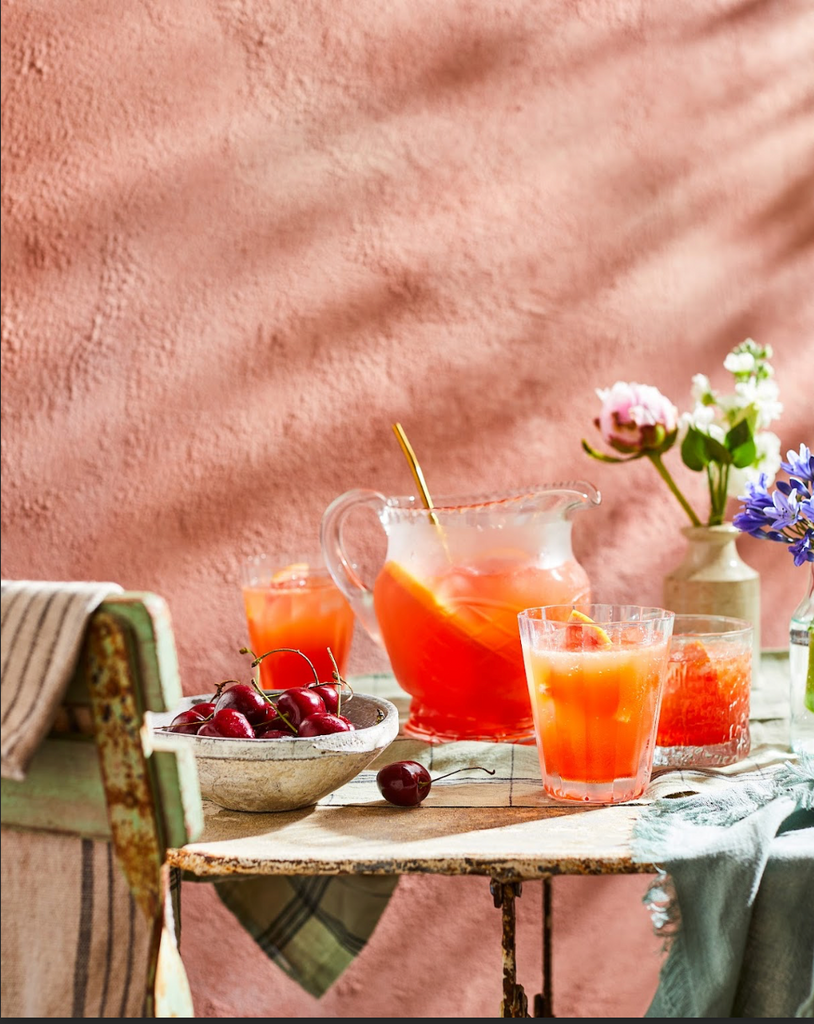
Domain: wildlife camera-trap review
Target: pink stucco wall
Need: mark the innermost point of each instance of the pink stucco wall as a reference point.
(240, 240)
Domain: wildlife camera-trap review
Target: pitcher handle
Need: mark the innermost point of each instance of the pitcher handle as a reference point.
(360, 596)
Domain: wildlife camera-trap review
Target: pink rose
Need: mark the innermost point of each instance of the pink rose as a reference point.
(635, 417)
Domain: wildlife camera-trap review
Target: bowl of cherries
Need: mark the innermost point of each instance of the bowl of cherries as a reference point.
(279, 750)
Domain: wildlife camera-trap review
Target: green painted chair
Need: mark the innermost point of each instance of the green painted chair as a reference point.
(99, 792)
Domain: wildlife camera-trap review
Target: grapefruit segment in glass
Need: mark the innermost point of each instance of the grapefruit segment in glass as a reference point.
(582, 632)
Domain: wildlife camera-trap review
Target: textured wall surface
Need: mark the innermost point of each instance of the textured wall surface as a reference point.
(241, 238)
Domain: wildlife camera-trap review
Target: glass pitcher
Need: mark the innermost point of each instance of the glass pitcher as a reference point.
(445, 603)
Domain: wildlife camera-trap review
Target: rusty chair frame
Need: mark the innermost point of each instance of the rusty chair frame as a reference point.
(98, 775)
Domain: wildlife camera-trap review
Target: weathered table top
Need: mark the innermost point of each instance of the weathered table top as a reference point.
(530, 841)
(504, 842)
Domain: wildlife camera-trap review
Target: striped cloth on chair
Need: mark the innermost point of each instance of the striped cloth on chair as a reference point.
(43, 625)
(74, 941)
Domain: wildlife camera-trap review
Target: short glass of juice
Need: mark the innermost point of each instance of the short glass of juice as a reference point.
(595, 678)
(294, 603)
(704, 716)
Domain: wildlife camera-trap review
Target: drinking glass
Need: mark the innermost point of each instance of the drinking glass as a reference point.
(704, 716)
(595, 686)
(293, 602)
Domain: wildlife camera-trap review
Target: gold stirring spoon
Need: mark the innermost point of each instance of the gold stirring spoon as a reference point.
(421, 483)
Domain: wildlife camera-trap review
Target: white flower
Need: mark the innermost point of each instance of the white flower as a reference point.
(764, 396)
(740, 362)
(701, 417)
(701, 390)
(767, 460)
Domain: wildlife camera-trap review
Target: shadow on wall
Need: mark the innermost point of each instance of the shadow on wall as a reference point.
(448, 226)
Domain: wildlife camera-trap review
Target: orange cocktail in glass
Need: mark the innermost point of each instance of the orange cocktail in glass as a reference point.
(595, 679)
(451, 636)
(299, 606)
(705, 708)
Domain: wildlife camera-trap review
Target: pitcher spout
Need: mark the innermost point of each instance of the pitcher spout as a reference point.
(569, 496)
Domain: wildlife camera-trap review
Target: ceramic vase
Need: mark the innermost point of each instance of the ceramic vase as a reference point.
(713, 579)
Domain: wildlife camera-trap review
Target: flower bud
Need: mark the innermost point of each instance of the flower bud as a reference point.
(636, 418)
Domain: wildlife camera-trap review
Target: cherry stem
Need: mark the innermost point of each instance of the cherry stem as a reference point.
(259, 688)
(255, 681)
(339, 680)
(220, 686)
(290, 650)
(268, 699)
(280, 650)
(336, 676)
(474, 768)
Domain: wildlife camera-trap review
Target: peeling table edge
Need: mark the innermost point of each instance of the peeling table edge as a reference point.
(208, 867)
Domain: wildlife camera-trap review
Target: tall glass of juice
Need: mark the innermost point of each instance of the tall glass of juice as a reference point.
(294, 603)
(595, 678)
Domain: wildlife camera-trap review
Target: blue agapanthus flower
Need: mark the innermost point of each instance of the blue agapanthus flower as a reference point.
(803, 548)
(800, 464)
(785, 514)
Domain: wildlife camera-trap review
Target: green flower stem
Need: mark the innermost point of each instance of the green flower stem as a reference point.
(664, 473)
(809, 695)
(713, 519)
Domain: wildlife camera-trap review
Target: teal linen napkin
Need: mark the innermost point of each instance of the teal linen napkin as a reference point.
(735, 897)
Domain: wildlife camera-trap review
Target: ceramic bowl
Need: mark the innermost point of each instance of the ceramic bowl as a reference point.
(284, 774)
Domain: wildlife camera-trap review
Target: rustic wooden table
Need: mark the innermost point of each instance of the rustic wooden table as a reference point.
(509, 844)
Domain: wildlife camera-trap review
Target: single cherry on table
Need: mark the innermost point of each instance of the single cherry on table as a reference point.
(407, 783)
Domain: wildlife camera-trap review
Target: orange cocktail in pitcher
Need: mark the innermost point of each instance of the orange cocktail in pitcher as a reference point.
(445, 603)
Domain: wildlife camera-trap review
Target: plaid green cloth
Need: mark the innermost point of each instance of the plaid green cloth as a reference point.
(311, 926)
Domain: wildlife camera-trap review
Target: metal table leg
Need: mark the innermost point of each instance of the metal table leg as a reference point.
(515, 1003)
(544, 1001)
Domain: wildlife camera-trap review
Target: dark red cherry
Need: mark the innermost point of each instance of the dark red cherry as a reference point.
(243, 698)
(187, 722)
(274, 723)
(273, 734)
(268, 715)
(205, 708)
(230, 723)
(407, 783)
(298, 703)
(322, 723)
(330, 696)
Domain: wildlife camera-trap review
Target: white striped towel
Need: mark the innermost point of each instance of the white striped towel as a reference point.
(43, 625)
